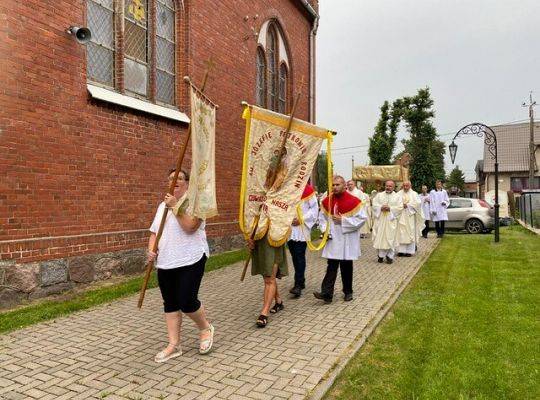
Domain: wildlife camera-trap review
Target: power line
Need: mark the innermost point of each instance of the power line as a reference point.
(440, 136)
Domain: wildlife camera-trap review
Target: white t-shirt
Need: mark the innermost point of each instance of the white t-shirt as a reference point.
(177, 248)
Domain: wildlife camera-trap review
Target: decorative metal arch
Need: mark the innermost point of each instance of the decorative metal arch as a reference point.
(481, 130)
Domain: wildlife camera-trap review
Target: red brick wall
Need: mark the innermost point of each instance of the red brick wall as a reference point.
(72, 168)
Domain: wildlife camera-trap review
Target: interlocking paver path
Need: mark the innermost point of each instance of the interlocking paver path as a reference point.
(107, 352)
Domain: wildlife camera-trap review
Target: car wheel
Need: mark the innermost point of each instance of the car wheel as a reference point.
(474, 226)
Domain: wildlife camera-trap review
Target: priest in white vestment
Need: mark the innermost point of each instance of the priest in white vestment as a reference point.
(345, 214)
(411, 221)
(387, 209)
(306, 216)
(424, 203)
(439, 202)
(353, 189)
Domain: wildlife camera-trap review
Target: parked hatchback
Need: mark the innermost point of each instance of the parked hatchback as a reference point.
(473, 215)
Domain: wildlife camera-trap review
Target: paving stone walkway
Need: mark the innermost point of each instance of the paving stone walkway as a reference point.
(107, 352)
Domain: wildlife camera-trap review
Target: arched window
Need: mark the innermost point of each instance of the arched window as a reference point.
(273, 68)
(282, 99)
(261, 77)
(272, 54)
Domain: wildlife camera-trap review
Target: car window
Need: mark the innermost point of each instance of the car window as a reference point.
(460, 203)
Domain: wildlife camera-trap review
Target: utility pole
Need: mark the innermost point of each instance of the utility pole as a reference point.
(531, 140)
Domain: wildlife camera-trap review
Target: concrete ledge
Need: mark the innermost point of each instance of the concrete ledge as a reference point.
(527, 226)
(136, 104)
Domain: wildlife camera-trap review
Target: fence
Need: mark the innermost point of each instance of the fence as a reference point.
(529, 207)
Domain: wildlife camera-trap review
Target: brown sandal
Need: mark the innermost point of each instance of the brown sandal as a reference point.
(277, 307)
(262, 321)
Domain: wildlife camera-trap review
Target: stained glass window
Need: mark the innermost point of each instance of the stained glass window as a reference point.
(100, 49)
(272, 54)
(165, 51)
(261, 78)
(136, 46)
(282, 101)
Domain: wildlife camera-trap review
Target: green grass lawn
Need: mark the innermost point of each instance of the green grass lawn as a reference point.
(50, 309)
(468, 327)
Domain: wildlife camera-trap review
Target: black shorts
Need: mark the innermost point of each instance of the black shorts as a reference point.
(180, 287)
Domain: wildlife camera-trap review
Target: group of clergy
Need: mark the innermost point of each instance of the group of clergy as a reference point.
(400, 218)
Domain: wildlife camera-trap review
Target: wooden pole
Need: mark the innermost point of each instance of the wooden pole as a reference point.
(272, 179)
(181, 154)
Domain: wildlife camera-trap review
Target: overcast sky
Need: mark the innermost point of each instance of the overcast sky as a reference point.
(480, 59)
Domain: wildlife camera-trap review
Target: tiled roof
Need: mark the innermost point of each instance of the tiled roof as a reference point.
(512, 147)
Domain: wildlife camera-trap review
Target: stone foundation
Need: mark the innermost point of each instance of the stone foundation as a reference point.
(29, 281)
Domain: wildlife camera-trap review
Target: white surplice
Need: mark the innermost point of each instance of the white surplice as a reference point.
(411, 221)
(385, 222)
(424, 200)
(307, 211)
(438, 204)
(345, 242)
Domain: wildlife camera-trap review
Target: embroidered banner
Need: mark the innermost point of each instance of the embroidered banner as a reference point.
(271, 189)
(202, 183)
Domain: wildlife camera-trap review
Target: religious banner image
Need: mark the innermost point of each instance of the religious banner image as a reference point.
(274, 176)
(201, 193)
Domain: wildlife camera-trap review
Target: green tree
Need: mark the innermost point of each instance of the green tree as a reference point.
(383, 141)
(456, 178)
(426, 150)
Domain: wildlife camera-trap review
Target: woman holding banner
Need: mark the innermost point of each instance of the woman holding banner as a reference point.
(180, 260)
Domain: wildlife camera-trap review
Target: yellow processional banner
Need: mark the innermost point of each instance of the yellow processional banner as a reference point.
(276, 198)
(201, 193)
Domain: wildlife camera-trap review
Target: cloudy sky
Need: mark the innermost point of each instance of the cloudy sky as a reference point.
(480, 58)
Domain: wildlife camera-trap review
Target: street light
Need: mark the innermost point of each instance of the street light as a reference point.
(453, 150)
(490, 140)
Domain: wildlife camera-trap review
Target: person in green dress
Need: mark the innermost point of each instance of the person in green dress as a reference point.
(271, 263)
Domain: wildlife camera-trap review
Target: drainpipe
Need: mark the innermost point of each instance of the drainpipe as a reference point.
(312, 35)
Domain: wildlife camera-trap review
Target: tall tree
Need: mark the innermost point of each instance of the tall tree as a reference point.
(427, 152)
(383, 141)
(456, 179)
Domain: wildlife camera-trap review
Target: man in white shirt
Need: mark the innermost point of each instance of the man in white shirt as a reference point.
(307, 212)
(424, 201)
(346, 215)
(438, 204)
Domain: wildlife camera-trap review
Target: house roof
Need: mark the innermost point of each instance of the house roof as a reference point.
(512, 147)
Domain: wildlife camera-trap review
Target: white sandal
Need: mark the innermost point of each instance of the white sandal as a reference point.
(162, 356)
(206, 345)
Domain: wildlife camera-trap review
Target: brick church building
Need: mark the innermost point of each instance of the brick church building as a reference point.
(89, 131)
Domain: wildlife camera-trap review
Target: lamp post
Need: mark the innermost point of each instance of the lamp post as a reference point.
(490, 140)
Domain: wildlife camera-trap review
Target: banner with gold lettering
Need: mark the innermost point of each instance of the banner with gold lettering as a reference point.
(277, 200)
